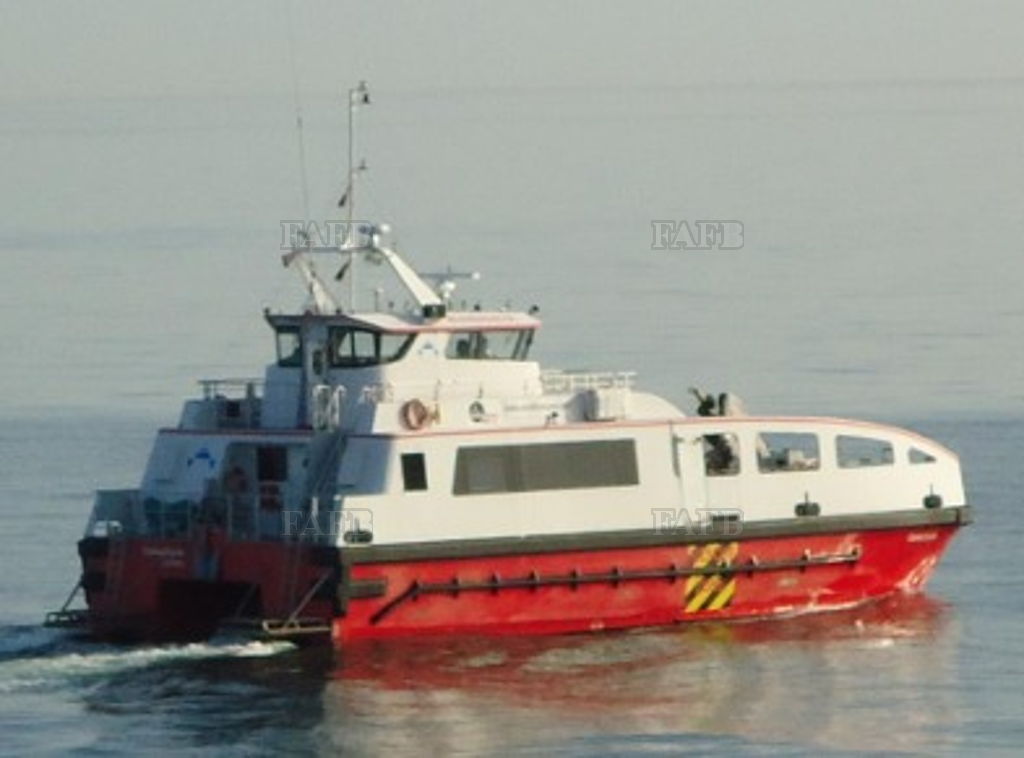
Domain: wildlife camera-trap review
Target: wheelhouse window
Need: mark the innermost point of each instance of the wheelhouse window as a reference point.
(289, 347)
(545, 466)
(350, 347)
(787, 451)
(507, 345)
(855, 452)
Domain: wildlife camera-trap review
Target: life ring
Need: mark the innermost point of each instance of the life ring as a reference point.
(415, 414)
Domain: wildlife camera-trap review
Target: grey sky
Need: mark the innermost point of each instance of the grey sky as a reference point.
(129, 47)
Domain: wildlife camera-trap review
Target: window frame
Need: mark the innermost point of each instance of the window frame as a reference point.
(338, 334)
(925, 458)
(414, 472)
(845, 461)
(549, 466)
(730, 446)
(762, 468)
(295, 359)
(478, 339)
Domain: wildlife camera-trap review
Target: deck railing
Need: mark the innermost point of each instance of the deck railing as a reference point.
(568, 382)
(259, 516)
(551, 383)
(238, 387)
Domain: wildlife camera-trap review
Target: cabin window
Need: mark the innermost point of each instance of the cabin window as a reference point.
(485, 469)
(919, 456)
(414, 472)
(787, 451)
(509, 345)
(855, 452)
(289, 347)
(350, 347)
(545, 466)
(721, 454)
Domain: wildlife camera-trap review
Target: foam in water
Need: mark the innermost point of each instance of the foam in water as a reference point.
(31, 659)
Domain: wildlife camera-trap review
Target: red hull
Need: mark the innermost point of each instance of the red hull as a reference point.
(186, 589)
(785, 576)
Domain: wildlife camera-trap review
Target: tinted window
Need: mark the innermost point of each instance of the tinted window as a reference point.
(552, 466)
(721, 454)
(289, 347)
(787, 451)
(349, 347)
(920, 456)
(854, 452)
(393, 346)
(414, 472)
(494, 345)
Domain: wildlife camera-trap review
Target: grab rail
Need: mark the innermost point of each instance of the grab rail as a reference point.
(563, 382)
(247, 387)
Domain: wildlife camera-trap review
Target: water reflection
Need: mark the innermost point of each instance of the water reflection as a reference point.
(875, 678)
(235, 704)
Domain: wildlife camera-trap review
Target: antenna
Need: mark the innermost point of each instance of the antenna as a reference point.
(444, 282)
(356, 96)
(299, 126)
(320, 297)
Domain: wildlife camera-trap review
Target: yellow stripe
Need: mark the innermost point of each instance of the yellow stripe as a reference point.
(712, 584)
(693, 585)
(729, 553)
(702, 560)
(723, 598)
(700, 589)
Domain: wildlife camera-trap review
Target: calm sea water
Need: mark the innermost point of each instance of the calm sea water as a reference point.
(880, 277)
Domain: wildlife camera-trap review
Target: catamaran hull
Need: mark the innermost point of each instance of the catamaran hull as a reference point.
(187, 589)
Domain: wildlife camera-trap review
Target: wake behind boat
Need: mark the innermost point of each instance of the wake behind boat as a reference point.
(414, 472)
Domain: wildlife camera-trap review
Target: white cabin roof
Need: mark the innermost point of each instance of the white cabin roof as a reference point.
(457, 321)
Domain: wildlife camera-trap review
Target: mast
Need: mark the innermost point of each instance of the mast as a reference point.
(370, 243)
(356, 96)
(304, 180)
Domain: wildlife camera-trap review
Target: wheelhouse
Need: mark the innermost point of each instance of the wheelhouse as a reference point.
(344, 342)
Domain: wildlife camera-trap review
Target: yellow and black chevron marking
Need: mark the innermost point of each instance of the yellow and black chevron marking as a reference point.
(711, 592)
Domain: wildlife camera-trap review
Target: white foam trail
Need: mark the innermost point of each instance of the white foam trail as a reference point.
(33, 672)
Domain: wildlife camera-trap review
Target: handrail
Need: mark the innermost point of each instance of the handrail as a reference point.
(615, 577)
(249, 386)
(179, 514)
(557, 381)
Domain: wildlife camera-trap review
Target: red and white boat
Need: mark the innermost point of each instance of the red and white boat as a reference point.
(416, 473)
